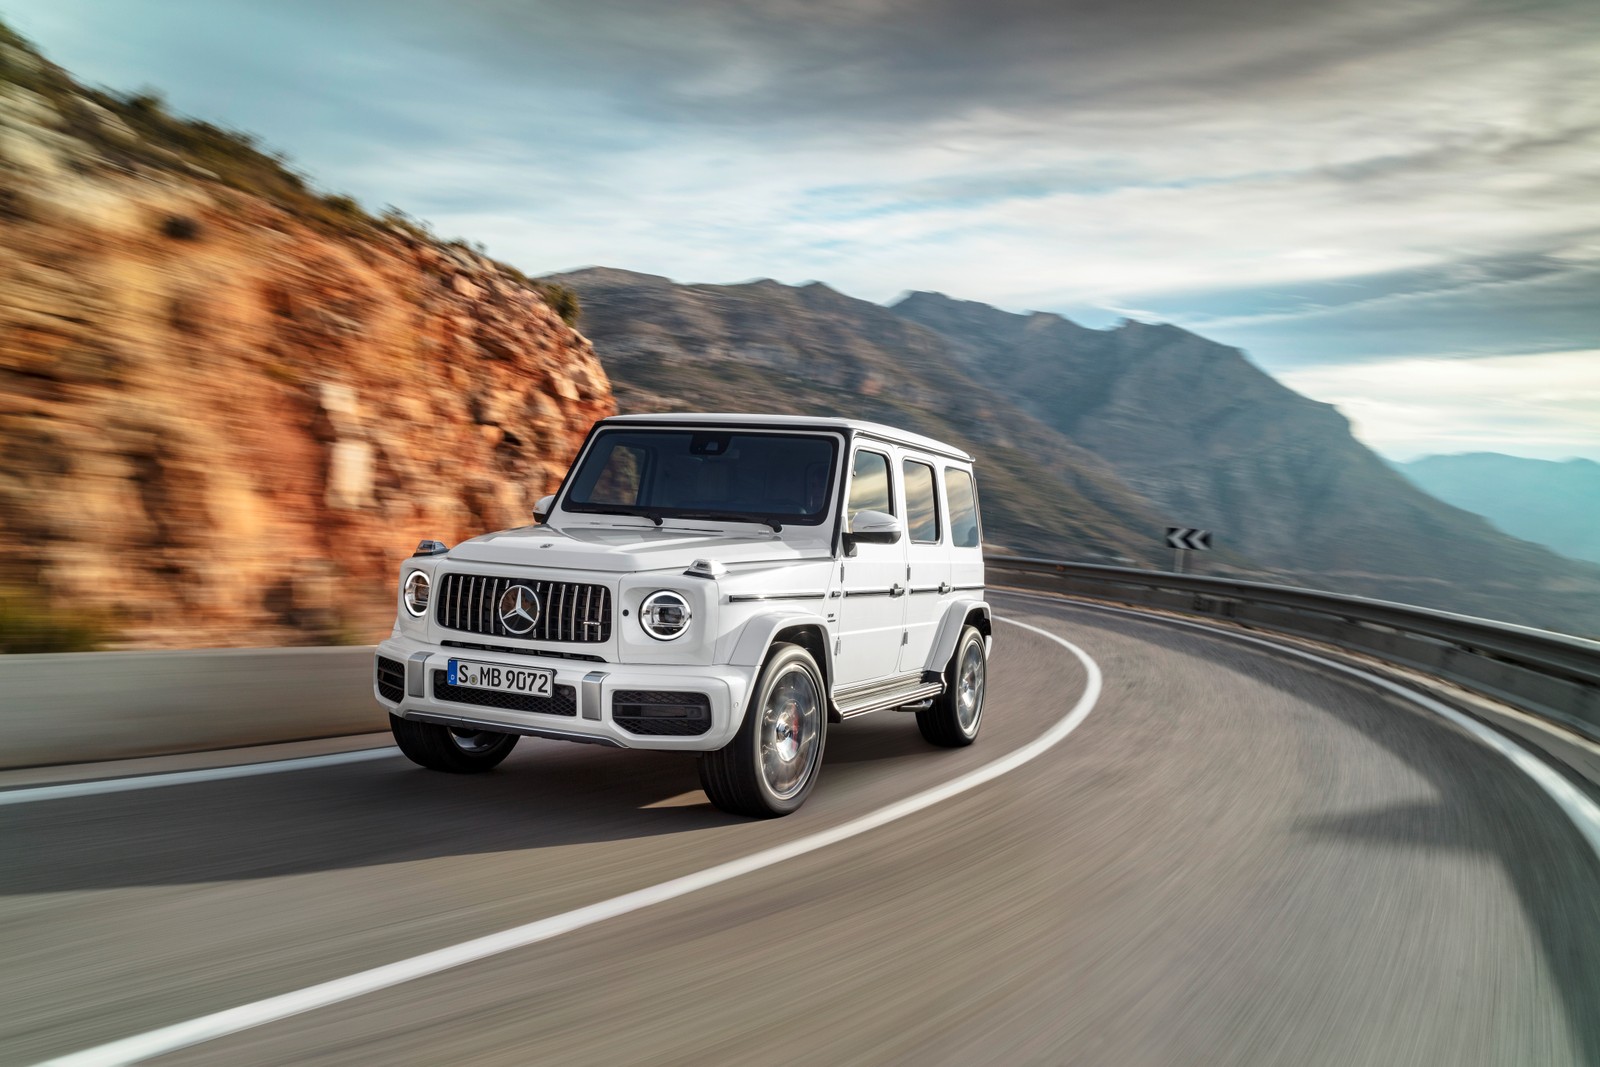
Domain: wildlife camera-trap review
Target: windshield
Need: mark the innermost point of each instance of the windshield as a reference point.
(776, 478)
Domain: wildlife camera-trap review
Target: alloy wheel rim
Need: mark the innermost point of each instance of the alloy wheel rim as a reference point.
(790, 727)
(969, 687)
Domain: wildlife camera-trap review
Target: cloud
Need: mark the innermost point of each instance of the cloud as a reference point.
(1348, 180)
(1512, 304)
(1545, 406)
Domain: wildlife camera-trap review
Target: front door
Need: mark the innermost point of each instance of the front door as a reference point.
(873, 581)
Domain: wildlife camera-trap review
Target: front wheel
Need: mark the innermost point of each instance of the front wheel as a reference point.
(771, 763)
(952, 720)
(447, 748)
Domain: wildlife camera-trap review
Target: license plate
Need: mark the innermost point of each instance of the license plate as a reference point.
(500, 678)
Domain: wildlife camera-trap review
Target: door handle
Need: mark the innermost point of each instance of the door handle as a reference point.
(897, 589)
(944, 587)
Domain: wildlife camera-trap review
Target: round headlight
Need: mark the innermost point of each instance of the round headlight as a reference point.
(665, 615)
(414, 592)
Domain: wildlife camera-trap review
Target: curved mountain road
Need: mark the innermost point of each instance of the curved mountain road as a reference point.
(1237, 857)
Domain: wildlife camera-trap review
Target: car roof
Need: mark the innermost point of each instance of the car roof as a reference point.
(796, 422)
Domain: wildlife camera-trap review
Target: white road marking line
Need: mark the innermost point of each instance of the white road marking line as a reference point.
(67, 790)
(209, 1027)
(1584, 812)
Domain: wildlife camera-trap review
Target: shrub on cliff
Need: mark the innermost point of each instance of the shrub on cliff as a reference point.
(28, 624)
(562, 300)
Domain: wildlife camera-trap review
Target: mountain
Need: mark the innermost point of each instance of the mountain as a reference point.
(1553, 504)
(229, 405)
(1089, 442)
(764, 346)
(1217, 443)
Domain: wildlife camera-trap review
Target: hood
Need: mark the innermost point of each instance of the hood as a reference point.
(625, 549)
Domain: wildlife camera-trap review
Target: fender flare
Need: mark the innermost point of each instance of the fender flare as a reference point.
(750, 650)
(949, 632)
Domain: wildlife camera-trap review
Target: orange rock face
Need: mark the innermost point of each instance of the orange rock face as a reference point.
(219, 426)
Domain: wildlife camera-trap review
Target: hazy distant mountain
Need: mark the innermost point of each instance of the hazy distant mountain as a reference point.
(1553, 504)
(1218, 443)
(1090, 442)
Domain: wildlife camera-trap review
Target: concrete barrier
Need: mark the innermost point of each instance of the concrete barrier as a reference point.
(76, 707)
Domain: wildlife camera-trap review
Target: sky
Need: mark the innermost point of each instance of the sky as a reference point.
(1391, 205)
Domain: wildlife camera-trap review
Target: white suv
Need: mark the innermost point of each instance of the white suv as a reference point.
(720, 584)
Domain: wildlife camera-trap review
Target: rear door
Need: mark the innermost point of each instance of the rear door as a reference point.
(965, 533)
(927, 559)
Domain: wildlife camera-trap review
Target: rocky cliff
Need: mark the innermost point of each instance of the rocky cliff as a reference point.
(230, 407)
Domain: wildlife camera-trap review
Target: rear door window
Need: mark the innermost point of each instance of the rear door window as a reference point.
(922, 502)
(963, 498)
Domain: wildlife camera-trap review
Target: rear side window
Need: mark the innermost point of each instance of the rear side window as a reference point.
(963, 497)
(922, 502)
(869, 484)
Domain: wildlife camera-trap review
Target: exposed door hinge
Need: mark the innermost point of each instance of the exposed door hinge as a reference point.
(905, 637)
(838, 644)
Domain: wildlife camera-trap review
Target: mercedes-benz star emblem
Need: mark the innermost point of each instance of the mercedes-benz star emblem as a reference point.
(519, 609)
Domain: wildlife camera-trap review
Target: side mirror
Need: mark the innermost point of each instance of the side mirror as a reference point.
(872, 528)
(541, 508)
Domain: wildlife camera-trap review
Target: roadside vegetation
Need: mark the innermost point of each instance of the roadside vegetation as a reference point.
(28, 624)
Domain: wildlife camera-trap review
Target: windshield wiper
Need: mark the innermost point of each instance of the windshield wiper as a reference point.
(731, 516)
(631, 512)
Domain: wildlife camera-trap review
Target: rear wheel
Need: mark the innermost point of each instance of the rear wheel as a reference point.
(771, 764)
(448, 748)
(952, 720)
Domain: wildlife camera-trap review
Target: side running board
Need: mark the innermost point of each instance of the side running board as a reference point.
(918, 690)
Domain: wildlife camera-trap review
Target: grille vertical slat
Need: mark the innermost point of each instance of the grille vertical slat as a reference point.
(569, 611)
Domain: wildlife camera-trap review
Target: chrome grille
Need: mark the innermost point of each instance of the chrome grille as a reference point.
(568, 611)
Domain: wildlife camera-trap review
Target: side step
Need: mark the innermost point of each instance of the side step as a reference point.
(917, 691)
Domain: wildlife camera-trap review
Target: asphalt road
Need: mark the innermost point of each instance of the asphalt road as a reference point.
(1236, 858)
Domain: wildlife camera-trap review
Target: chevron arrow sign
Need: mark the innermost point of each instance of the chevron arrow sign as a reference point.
(1184, 537)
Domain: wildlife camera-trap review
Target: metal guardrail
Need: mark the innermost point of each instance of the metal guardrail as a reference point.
(1549, 674)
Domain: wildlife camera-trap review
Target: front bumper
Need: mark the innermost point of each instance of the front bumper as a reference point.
(587, 715)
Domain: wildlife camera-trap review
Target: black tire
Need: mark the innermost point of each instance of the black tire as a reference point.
(772, 762)
(444, 748)
(953, 719)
